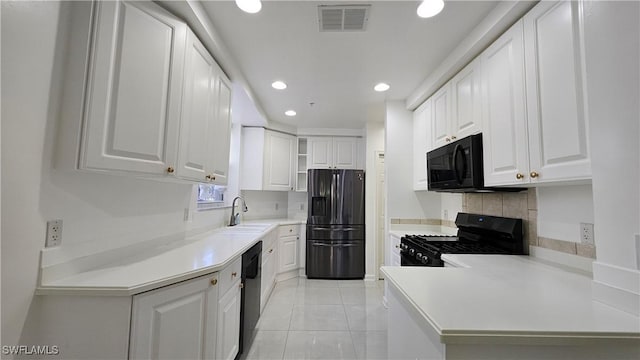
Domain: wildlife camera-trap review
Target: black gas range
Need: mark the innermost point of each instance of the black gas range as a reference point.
(477, 234)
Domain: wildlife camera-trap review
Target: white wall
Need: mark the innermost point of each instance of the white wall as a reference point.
(297, 205)
(265, 204)
(97, 210)
(374, 143)
(561, 209)
(612, 46)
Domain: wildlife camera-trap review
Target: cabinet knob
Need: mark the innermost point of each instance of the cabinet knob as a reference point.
(534, 174)
(453, 137)
(270, 251)
(234, 274)
(241, 286)
(208, 177)
(398, 246)
(290, 230)
(213, 178)
(170, 170)
(519, 176)
(214, 281)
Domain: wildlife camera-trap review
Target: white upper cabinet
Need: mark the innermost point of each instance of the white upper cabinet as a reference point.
(457, 106)
(421, 144)
(221, 137)
(541, 134)
(503, 105)
(466, 101)
(267, 160)
(320, 152)
(327, 152)
(134, 89)
(205, 125)
(197, 124)
(157, 104)
(556, 93)
(441, 116)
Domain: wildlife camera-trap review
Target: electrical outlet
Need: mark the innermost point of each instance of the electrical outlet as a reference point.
(586, 233)
(54, 233)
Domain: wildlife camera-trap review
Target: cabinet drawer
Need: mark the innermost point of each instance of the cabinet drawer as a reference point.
(229, 275)
(286, 230)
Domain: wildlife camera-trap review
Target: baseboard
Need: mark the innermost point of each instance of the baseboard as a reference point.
(369, 277)
(287, 275)
(616, 286)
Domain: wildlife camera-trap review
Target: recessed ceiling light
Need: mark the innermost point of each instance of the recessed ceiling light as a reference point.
(429, 8)
(290, 113)
(250, 6)
(279, 85)
(381, 87)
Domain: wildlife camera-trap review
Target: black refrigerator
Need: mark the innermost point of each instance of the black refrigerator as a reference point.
(335, 224)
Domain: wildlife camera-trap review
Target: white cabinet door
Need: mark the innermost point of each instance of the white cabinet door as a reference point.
(288, 253)
(504, 133)
(197, 124)
(176, 322)
(134, 91)
(320, 152)
(221, 136)
(556, 98)
(421, 144)
(228, 324)
(345, 153)
(466, 103)
(278, 164)
(441, 116)
(267, 278)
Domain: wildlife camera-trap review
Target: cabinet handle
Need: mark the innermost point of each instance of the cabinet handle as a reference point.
(453, 137)
(208, 177)
(214, 281)
(234, 274)
(534, 174)
(213, 178)
(290, 230)
(170, 170)
(241, 286)
(447, 139)
(397, 246)
(519, 176)
(270, 251)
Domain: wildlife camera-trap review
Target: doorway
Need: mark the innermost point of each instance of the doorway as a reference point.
(380, 216)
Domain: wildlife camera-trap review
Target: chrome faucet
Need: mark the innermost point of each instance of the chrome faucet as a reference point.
(233, 221)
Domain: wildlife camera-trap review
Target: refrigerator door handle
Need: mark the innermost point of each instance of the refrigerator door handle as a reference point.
(332, 245)
(327, 229)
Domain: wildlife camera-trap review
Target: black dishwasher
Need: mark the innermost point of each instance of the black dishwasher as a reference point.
(250, 296)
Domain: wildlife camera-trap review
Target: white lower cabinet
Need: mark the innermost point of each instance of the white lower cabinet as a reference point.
(269, 266)
(288, 238)
(229, 323)
(194, 319)
(176, 322)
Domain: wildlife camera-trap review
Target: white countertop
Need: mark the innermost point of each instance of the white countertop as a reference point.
(509, 299)
(199, 255)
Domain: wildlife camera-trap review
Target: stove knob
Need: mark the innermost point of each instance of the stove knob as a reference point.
(419, 256)
(425, 259)
(412, 252)
(403, 246)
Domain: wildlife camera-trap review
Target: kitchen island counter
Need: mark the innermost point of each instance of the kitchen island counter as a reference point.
(513, 303)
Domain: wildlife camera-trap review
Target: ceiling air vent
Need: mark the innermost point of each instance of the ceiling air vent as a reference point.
(343, 17)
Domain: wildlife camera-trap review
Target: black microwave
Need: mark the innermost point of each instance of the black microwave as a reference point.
(457, 167)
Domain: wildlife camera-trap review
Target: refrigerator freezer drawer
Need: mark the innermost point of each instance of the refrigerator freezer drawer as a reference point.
(335, 259)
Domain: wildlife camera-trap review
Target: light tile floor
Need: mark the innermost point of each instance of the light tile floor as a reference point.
(322, 319)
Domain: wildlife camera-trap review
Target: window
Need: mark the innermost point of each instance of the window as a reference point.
(210, 196)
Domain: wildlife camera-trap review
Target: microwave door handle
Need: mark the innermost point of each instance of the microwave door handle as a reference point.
(454, 164)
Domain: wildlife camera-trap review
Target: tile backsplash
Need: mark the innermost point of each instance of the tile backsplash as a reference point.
(522, 205)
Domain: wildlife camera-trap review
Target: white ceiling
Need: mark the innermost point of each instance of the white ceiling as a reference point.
(337, 70)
